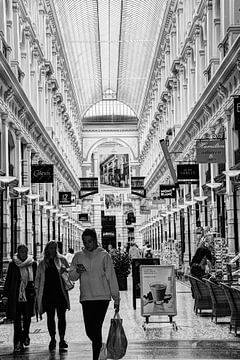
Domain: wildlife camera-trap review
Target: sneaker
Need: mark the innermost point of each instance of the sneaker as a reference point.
(63, 345)
(52, 345)
(26, 341)
(18, 347)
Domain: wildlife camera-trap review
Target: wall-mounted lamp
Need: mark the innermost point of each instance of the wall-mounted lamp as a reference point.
(48, 207)
(213, 185)
(33, 196)
(190, 203)
(232, 173)
(7, 179)
(200, 198)
(21, 189)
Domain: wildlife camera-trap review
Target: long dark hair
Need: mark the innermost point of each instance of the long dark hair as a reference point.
(46, 255)
(199, 255)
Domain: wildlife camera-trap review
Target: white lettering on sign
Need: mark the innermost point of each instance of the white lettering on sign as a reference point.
(238, 107)
(41, 173)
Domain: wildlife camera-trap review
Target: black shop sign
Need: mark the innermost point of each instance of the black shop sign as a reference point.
(167, 191)
(65, 198)
(42, 173)
(188, 173)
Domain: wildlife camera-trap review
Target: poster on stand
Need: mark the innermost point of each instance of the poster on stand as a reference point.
(158, 290)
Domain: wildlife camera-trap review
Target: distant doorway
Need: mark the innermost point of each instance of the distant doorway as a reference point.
(108, 231)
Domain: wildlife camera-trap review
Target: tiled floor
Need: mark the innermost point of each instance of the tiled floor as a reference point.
(193, 337)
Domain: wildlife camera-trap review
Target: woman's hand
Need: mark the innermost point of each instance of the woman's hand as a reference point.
(80, 269)
(116, 307)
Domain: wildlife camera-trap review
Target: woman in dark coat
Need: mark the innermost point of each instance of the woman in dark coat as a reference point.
(51, 294)
(19, 295)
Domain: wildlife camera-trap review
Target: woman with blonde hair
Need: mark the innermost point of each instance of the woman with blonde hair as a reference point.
(51, 294)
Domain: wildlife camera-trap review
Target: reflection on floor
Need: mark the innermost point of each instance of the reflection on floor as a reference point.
(193, 337)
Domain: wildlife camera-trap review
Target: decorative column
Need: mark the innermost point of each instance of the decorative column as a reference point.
(6, 198)
(20, 206)
(229, 185)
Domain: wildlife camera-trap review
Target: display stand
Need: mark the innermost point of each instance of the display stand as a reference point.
(158, 293)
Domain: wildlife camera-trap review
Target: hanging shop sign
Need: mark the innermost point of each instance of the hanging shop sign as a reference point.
(188, 173)
(65, 198)
(42, 173)
(210, 151)
(114, 172)
(167, 191)
(83, 217)
(157, 200)
(236, 107)
(137, 186)
(145, 209)
(168, 159)
(89, 186)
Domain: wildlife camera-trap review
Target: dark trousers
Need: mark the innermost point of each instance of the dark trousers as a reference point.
(22, 322)
(61, 314)
(93, 314)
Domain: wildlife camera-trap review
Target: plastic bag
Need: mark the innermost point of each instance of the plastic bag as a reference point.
(103, 352)
(116, 341)
(68, 284)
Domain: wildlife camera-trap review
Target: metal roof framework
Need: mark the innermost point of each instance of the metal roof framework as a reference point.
(110, 45)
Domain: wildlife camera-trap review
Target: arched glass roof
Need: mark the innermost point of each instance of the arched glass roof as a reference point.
(110, 44)
(109, 110)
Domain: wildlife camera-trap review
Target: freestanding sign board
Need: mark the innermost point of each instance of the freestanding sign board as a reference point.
(158, 290)
(136, 274)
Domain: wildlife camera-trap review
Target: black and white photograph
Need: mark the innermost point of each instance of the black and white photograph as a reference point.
(119, 179)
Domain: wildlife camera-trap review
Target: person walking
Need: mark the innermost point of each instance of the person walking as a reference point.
(19, 295)
(134, 251)
(98, 284)
(51, 294)
(69, 255)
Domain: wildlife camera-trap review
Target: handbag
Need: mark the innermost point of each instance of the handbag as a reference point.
(68, 284)
(117, 340)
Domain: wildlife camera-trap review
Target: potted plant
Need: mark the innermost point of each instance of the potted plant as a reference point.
(122, 266)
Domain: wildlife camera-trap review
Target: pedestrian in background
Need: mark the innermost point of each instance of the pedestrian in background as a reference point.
(69, 255)
(134, 251)
(19, 295)
(51, 294)
(98, 284)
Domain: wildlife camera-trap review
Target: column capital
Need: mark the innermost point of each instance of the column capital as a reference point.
(4, 116)
(228, 114)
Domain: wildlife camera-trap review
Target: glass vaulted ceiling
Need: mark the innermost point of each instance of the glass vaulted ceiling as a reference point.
(110, 46)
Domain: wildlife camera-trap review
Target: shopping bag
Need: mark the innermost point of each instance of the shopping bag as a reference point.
(68, 284)
(116, 341)
(103, 352)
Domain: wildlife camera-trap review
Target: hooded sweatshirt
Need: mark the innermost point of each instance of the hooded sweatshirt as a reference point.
(99, 281)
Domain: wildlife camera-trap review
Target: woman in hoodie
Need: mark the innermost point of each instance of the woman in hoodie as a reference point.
(51, 293)
(98, 284)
